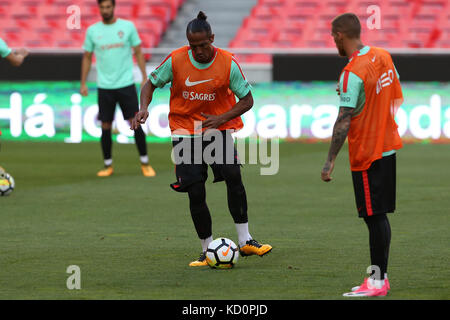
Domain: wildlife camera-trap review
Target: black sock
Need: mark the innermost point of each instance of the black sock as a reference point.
(106, 142)
(199, 210)
(237, 198)
(139, 137)
(379, 240)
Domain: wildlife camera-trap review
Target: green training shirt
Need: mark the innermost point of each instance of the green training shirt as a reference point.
(355, 96)
(112, 45)
(238, 84)
(4, 49)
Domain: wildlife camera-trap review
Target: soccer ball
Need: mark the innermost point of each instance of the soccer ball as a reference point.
(6, 183)
(222, 253)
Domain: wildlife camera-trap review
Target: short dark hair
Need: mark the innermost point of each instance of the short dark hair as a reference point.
(348, 24)
(199, 24)
(112, 1)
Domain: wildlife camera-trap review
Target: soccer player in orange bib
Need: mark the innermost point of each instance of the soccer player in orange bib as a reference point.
(205, 80)
(370, 93)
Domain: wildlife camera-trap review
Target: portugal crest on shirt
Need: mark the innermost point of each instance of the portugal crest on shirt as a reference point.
(120, 34)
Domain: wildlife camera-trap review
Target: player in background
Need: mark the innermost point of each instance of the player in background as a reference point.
(15, 58)
(112, 41)
(370, 94)
(205, 80)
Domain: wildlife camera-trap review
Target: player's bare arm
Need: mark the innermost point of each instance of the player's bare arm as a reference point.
(340, 132)
(145, 98)
(85, 67)
(141, 63)
(17, 57)
(215, 121)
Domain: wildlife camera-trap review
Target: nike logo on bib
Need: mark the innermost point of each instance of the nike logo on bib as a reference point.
(194, 83)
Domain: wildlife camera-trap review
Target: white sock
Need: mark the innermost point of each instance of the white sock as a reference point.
(107, 162)
(243, 234)
(205, 243)
(376, 283)
(385, 276)
(144, 159)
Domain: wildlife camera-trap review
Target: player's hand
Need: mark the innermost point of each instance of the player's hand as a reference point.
(139, 119)
(23, 52)
(338, 90)
(83, 90)
(327, 170)
(212, 121)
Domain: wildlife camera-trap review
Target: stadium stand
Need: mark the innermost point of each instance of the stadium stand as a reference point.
(306, 24)
(237, 24)
(224, 16)
(42, 24)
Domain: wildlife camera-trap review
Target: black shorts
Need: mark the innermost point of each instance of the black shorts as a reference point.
(375, 187)
(192, 155)
(108, 98)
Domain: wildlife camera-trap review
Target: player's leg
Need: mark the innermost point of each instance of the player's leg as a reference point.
(106, 105)
(237, 198)
(377, 284)
(237, 205)
(379, 241)
(375, 196)
(191, 178)
(201, 217)
(128, 102)
(382, 184)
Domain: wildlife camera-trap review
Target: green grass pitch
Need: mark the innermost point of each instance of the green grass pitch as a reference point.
(133, 237)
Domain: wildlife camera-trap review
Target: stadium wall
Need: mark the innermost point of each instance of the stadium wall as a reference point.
(309, 67)
(43, 67)
(285, 67)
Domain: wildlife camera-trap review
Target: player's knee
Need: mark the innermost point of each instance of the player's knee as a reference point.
(197, 193)
(232, 174)
(106, 125)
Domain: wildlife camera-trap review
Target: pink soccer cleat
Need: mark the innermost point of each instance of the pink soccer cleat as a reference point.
(364, 285)
(366, 290)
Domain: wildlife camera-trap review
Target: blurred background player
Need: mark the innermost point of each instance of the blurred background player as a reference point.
(15, 58)
(197, 71)
(370, 94)
(112, 40)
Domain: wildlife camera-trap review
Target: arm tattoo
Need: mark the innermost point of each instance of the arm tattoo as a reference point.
(340, 131)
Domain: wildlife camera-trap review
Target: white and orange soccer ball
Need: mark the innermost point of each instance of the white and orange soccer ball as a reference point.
(222, 253)
(6, 183)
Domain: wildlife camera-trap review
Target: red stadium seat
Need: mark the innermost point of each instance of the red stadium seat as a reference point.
(173, 5)
(9, 24)
(307, 23)
(267, 12)
(37, 23)
(126, 10)
(258, 58)
(270, 3)
(149, 25)
(271, 23)
(159, 12)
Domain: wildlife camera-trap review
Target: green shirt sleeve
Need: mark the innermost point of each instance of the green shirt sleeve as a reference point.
(238, 84)
(163, 74)
(4, 49)
(353, 86)
(88, 44)
(134, 36)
